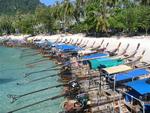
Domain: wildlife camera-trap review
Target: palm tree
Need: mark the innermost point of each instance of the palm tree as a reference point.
(57, 12)
(79, 10)
(145, 2)
(63, 13)
(68, 11)
(97, 14)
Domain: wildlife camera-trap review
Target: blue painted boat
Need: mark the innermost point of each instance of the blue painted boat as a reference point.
(130, 75)
(139, 89)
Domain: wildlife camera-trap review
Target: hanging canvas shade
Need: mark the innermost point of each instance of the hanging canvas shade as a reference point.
(43, 43)
(65, 48)
(94, 55)
(116, 69)
(96, 62)
(131, 74)
(86, 51)
(111, 63)
(141, 86)
(105, 62)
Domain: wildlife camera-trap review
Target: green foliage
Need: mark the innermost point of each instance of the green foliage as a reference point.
(6, 26)
(144, 18)
(26, 24)
(45, 20)
(101, 16)
(12, 6)
(79, 28)
(131, 19)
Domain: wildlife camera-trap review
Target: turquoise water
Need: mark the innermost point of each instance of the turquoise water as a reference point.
(12, 70)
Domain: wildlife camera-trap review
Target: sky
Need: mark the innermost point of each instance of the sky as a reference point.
(49, 2)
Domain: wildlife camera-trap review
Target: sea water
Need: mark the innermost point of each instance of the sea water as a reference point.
(12, 70)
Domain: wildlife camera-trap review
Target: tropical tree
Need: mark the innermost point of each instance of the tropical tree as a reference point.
(97, 13)
(44, 20)
(144, 18)
(26, 24)
(79, 10)
(90, 16)
(145, 2)
(68, 12)
(6, 25)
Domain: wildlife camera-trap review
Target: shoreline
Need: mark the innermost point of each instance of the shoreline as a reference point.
(113, 42)
(133, 41)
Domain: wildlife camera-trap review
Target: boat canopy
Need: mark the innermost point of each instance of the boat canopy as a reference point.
(116, 69)
(141, 86)
(131, 74)
(43, 43)
(56, 44)
(65, 48)
(95, 55)
(85, 51)
(95, 64)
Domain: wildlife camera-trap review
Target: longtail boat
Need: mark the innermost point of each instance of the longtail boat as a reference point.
(138, 95)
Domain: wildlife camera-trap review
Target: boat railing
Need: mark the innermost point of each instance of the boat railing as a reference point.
(130, 104)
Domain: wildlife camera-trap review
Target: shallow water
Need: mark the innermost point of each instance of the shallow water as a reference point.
(12, 70)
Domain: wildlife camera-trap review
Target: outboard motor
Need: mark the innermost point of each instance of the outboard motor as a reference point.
(74, 88)
(83, 99)
(74, 85)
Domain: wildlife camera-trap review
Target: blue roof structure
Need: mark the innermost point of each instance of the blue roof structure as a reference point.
(65, 48)
(94, 55)
(141, 86)
(130, 74)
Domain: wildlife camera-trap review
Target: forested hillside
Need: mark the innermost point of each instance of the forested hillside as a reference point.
(93, 17)
(12, 6)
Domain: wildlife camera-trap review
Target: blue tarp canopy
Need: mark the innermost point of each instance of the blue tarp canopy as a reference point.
(43, 43)
(141, 86)
(57, 44)
(94, 55)
(130, 74)
(65, 48)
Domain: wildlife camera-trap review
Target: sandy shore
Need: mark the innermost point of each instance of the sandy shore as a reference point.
(113, 42)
